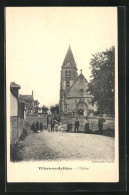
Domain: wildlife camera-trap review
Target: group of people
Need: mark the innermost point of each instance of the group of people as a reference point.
(86, 125)
(53, 125)
(37, 127)
(76, 126)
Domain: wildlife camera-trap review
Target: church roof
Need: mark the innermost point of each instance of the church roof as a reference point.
(69, 58)
(79, 77)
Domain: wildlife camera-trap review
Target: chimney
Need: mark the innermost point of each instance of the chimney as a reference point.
(32, 94)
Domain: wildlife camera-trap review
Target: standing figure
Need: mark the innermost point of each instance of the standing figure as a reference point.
(52, 126)
(49, 126)
(76, 125)
(68, 126)
(33, 127)
(37, 126)
(100, 124)
(41, 126)
(55, 125)
(86, 125)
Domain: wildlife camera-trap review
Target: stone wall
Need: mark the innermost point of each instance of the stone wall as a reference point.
(13, 129)
(17, 126)
(34, 118)
(20, 126)
(93, 121)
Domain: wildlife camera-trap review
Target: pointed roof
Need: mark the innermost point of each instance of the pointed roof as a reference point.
(81, 76)
(69, 58)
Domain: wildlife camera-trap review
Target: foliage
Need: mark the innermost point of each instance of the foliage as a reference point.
(101, 85)
(55, 109)
(36, 102)
(45, 108)
(36, 105)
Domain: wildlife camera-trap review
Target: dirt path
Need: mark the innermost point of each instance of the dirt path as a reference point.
(60, 146)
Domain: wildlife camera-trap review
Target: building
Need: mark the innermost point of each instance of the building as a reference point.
(17, 113)
(29, 102)
(74, 98)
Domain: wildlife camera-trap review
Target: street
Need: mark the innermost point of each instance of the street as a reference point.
(65, 146)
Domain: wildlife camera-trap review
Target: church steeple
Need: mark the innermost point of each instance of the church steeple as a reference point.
(69, 59)
(68, 71)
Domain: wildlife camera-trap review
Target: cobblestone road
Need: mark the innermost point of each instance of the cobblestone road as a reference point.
(63, 146)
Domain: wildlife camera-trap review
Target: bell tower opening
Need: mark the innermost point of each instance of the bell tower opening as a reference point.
(68, 74)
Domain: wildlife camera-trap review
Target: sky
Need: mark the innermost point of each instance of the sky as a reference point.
(37, 39)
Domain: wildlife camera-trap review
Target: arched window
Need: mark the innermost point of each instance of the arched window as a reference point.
(67, 75)
(67, 84)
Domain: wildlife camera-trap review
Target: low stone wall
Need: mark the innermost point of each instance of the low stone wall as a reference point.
(34, 118)
(93, 122)
(17, 125)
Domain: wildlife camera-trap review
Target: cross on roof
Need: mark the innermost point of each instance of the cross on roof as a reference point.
(81, 71)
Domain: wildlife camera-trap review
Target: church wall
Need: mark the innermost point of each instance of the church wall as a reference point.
(75, 91)
(71, 104)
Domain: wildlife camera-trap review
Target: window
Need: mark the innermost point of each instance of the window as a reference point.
(67, 84)
(66, 107)
(81, 91)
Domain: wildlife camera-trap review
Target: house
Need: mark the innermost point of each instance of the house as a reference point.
(17, 113)
(28, 100)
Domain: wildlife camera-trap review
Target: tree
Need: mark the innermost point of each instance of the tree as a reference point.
(55, 109)
(36, 105)
(101, 85)
(44, 109)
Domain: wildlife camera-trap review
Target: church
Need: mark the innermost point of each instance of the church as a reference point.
(74, 98)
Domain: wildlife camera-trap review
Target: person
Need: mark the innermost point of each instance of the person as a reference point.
(49, 127)
(33, 127)
(55, 125)
(76, 125)
(41, 126)
(68, 126)
(52, 126)
(86, 125)
(100, 124)
(37, 126)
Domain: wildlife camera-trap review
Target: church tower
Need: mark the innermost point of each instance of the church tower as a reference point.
(68, 76)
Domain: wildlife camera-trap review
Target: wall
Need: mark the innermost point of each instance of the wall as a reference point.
(17, 126)
(34, 118)
(13, 105)
(93, 121)
(79, 84)
(21, 110)
(13, 129)
(20, 126)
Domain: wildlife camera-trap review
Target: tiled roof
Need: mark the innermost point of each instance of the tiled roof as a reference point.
(79, 77)
(69, 58)
(26, 97)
